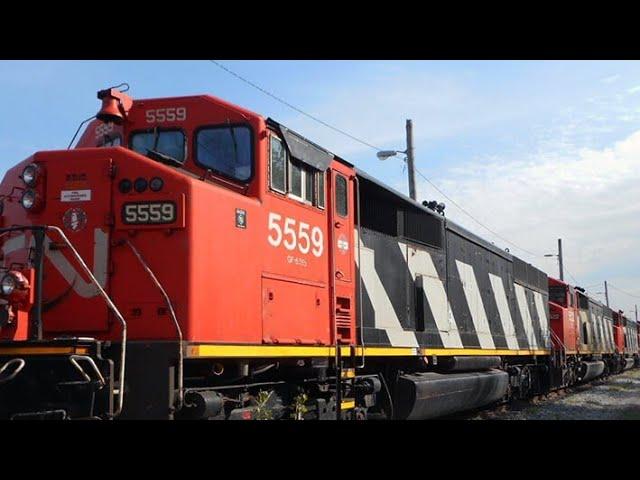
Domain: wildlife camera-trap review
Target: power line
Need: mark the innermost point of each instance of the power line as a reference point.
(577, 283)
(335, 129)
(293, 107)
(472, 217)
(622, 291)
(572, 277)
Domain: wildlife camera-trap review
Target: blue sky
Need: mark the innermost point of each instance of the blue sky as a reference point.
(535, 150)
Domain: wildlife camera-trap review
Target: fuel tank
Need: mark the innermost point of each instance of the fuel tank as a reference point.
(591, 370)
(422, 396)
(466, 364)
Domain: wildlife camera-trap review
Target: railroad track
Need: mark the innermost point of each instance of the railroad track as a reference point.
(496, 412)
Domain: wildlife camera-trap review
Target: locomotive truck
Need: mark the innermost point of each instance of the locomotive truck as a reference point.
(191, 259)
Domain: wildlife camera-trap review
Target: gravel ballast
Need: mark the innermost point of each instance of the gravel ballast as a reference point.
(615, 398)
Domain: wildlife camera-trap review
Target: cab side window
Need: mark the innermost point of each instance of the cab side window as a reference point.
(278, 165)
(572, 297)
(294, 178)
(342, 201)
(302, 182)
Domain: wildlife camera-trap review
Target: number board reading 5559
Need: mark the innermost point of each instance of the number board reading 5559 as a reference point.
(148, 213)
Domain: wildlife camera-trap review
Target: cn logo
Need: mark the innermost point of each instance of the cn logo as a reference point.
(75, 219)
(66, 268)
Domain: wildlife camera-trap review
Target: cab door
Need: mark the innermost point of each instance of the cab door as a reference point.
(341, 226)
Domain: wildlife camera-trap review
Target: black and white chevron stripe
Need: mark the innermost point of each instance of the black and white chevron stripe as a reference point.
(469, 297)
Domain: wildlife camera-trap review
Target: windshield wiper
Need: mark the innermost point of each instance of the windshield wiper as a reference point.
(163, 158)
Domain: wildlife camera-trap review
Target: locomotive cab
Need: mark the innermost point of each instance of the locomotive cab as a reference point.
(188, 227)
(564, 314)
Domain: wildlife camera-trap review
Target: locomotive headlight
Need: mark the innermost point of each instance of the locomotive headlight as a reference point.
(125, 185)
(15, 286)
(30, 175)
(140, 185)
(29, 200)
(8, 284)
(156, 184)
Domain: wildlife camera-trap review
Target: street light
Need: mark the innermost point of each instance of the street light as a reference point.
(386, 154)
(559, 256)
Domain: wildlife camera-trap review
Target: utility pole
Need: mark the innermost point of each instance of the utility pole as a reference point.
(636, 313)
(560, 259)
(384, 154)
(410, 164)
(606, 292)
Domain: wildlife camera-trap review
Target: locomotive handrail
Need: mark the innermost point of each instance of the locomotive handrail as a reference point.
(337, 353)
(167, 300)
(74, 360)
(114, 309)
(103, 294)
(21, 363)
(562, 350)
(360, 315)
(554, 336)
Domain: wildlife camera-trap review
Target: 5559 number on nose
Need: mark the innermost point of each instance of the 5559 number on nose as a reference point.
(148, 213)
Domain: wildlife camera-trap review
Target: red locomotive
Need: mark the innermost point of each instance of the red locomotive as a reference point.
(192, 259)
(592, 339)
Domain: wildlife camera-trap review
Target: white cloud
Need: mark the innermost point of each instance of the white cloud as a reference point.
(633, 90)
(610, 79)
(588, 197)
(375, 109)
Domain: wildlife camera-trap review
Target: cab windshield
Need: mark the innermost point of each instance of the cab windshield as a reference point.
(558, 294)
(166, 142)
(226, 150)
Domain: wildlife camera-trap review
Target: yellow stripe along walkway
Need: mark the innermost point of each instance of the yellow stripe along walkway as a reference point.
(283, 351)
(270, 351)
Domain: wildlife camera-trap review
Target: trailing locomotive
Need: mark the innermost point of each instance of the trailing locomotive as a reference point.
(191, 259)
(591, 338)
